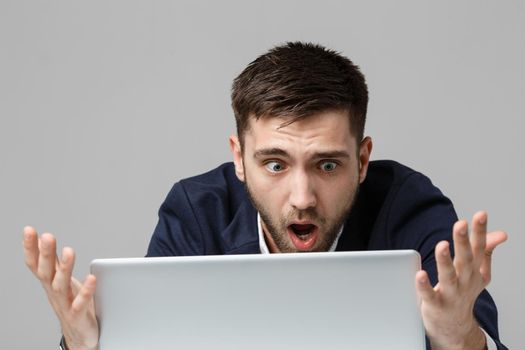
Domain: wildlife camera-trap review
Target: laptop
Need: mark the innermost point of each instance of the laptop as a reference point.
(303, 301)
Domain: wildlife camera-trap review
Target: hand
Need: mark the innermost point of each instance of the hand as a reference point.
(448, 308)
(71, 300)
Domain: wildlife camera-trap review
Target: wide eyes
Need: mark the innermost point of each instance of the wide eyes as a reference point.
(328, 166)
(276, 167)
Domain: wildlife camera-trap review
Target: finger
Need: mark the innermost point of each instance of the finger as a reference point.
(424, 288)
(478, 239)
(30, 244)
(61, 284)
(447, 276)
(46, 259)
(75, 286)
(85, 295)
(464, 257)
(493, 240)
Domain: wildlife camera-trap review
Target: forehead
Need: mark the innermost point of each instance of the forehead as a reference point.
(325, 131)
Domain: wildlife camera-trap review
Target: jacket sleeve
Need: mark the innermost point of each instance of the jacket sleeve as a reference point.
(420, 216)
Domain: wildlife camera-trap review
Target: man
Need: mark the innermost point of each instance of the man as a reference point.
(302, 181)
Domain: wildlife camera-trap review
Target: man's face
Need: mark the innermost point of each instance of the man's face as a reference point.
(302, 177)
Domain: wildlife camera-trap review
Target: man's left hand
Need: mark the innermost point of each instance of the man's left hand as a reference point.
(447, 308)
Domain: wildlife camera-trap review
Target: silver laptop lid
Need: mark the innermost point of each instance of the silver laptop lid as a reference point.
(341, 300)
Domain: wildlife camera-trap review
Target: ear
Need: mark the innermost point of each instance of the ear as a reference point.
(365, 149)
(235, 147)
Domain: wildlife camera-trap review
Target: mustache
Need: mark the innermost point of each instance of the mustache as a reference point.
(309, 214)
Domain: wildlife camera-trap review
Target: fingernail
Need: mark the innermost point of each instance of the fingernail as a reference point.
(463, 231)
(27, 235)
(444, 252)
(483, 220)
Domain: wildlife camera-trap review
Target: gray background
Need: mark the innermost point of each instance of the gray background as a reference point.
(104, 104)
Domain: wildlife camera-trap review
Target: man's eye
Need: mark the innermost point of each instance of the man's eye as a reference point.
(328, 166)
(274, 167)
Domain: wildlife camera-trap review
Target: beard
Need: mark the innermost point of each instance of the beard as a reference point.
(278, 227)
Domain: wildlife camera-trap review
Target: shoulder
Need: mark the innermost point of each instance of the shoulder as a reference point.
(217, 185)
(388, 181)
(402, 208)
(221, 174)
(203, 214)
(390, 173)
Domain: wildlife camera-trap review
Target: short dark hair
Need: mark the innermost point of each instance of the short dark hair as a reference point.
(298, 80)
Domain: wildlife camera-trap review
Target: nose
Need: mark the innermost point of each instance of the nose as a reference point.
(302, 191)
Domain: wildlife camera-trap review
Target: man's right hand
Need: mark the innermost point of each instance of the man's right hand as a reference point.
(71, 300)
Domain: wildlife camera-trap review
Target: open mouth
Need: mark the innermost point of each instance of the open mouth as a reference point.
(302, 231)
(303, 236)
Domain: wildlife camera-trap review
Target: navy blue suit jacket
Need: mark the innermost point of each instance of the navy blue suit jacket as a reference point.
(396, 208)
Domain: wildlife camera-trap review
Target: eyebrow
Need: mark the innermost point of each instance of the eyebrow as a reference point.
(266, 152)
(272, 152)
(332, 154)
